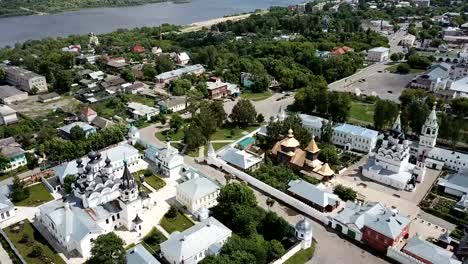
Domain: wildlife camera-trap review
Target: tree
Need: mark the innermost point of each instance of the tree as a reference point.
(180, 86)
(108, 249)
(193, 136)
(77, 133)
(260, 118)
(148, 71)
(18, 190)
(176, 122)
(327, 131)
(328, 154)
(385, 113)
(345, 193)
(33, 162)
(339, 106)
(460, 107)
(415, 115)
(243, 113)
(396, 57)
(127, 75)
(419, 62)
(4, 163)
(68, 181)
(63, 81)
(163, 64)
(171, 213)
(202, 87)
(403, 68)
(36, 251)
(2, 75)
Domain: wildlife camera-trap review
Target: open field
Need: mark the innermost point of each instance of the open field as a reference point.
(38, 194)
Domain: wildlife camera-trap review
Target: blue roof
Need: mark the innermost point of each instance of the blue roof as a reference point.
(356, 130)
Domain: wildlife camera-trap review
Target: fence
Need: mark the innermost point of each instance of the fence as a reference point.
(296, 248)
(302, 207)
(12, 246)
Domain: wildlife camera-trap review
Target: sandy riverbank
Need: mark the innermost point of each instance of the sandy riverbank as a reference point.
(208, 23)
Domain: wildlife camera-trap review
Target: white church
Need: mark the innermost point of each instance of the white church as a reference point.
(101, 202)
(390, 164)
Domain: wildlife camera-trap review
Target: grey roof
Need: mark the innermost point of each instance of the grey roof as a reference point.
(10, 148)
(70, 220)
(22, 72)
(6, 110)
(180, 72)
(141, 109)
(456, 181)
(115, 154)
(139, 255)
(380, 49)
(49, 96)
(7, 91)
(240, 158)
(316, 194)
(196, 239)
(102, 122)
(441, 71)
(309, 121)
(84, 126)
(374, 216)
(356, 130)
(170, 102)
(430, 252)
(198, 187)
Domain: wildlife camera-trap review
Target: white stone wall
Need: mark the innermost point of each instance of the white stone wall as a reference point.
(270, 190)
(296, 248)
(401, 257)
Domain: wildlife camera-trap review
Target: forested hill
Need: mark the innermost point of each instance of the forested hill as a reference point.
(21, 7)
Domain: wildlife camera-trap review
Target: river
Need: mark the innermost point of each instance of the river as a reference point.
(103, 20)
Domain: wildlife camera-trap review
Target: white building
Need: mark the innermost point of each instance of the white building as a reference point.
(390, 164)
(349, 137)
(25, 80)
(156, 50)
(7, 115)
(182, 58)
(458, 88)
(9, 94)
(408, 40)
(7, 208)
(378, 54)
(142, 111)
(167, 77)
(313, 124)
(116, 154)
(194, 244)
(167, 160)
(12, 150)
(454, 184)
(102, 202)
(304, 232)
(354, 137)
(241, 159)
(173, 104)
(198, 194)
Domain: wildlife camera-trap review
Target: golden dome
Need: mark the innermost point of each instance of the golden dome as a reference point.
(325, 170)
(312, 147)
(290, 141)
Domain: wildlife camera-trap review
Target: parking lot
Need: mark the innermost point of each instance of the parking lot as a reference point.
(382, 84)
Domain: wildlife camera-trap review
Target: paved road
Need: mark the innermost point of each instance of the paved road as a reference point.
(268, 107)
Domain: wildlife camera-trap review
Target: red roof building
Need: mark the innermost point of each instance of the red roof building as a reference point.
(341, 50)
(88, 114)
(138, 48)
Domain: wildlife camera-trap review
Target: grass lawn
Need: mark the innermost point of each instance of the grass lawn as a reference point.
(256, 96)
(153, 180)
(38, 194)
(393, 69)
(136, 176)
(302, 256)
(178, 223)
(34, 238)
(225, 133)
(138, 98)
(362, 112)
(162, 135)
(153, 239)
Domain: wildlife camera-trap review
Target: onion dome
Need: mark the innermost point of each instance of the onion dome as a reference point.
(92, 155)
(79, 163)
(88, 167)
(290, 141)
(304, 225)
